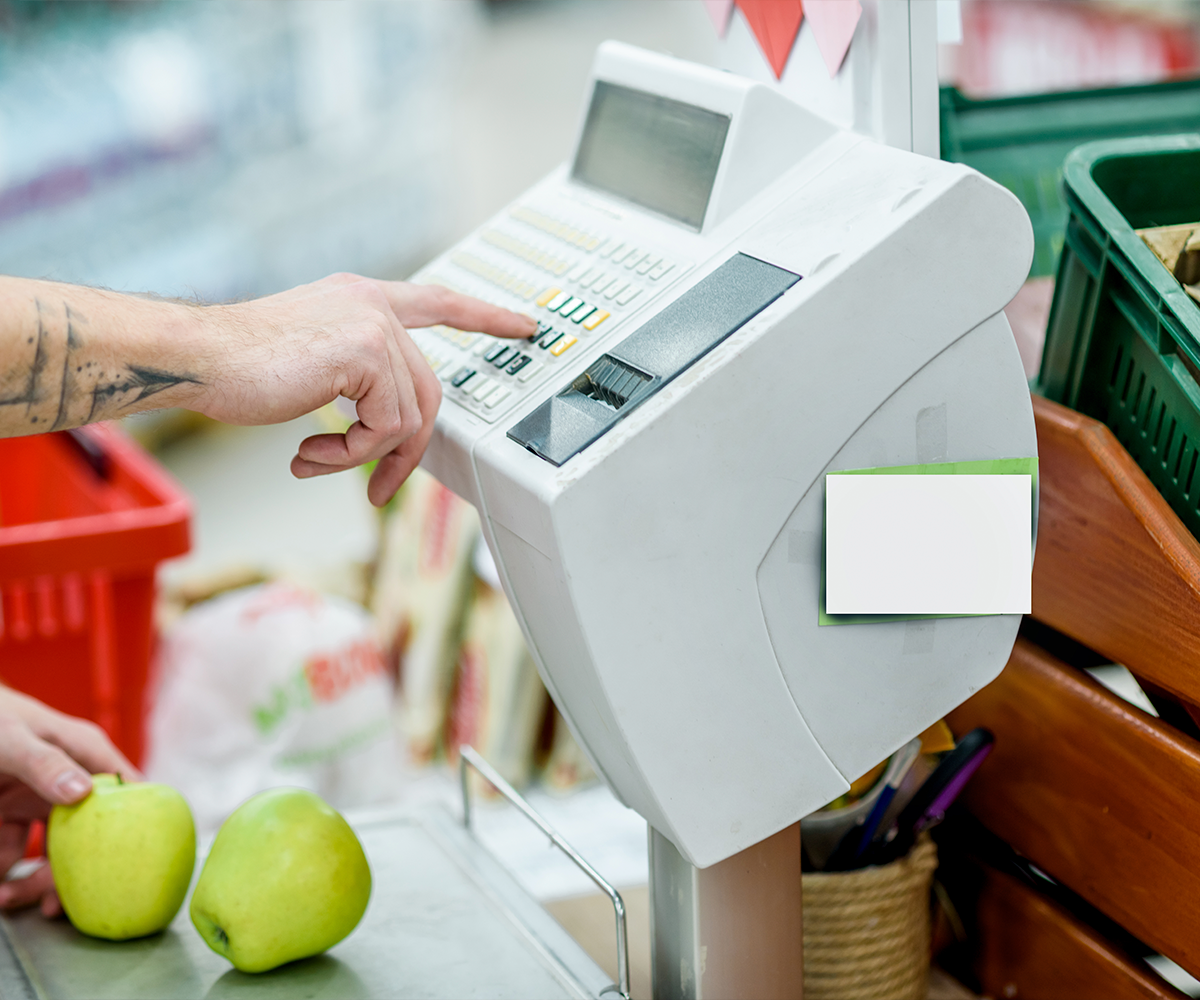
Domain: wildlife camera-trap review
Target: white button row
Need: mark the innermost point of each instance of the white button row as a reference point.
(455, 336)
(556, 227)
(635, 259)
(519, 248)
(600, 282)
(496, 275)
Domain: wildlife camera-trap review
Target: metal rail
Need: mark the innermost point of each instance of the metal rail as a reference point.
(468, 755)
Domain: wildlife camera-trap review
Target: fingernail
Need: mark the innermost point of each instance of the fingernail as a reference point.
(73, 785)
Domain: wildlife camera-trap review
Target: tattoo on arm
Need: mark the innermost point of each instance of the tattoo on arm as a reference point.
(84, 385)
(66, 389)
(144, 381)
(30, 393)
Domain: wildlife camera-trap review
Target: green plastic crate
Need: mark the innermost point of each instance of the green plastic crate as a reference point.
(1123, 343)
(1021, 142)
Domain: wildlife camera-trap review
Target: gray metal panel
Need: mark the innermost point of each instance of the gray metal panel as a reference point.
(445, 920)
(664, 346)
(702, 317)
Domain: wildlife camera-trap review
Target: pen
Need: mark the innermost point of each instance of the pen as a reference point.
(933, 798)
(855, 841)
(871, 826)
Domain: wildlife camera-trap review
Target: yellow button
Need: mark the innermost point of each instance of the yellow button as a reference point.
(562, 345)
(595, 319)
(547, 295)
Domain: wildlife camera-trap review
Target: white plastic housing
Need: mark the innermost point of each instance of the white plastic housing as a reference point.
(667, 575)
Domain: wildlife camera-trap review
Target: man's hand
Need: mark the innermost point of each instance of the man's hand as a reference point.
(287, 354)
(70, 355)
(46, 759)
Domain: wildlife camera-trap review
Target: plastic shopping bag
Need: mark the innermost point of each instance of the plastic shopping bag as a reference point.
(273, 685)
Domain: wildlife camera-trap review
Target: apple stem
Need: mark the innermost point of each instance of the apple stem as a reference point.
(120, 780)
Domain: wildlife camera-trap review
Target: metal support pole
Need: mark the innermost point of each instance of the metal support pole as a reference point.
(732, 931)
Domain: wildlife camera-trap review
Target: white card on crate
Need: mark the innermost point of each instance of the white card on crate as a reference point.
(928, 544)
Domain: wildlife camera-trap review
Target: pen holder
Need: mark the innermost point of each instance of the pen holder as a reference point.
(866, 932)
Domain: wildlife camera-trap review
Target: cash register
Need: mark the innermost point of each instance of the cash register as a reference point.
(733, 298)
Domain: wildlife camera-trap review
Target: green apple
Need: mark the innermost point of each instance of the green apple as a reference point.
(286, 878)
(122, 858)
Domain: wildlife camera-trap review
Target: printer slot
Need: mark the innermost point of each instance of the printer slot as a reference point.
(611, 381)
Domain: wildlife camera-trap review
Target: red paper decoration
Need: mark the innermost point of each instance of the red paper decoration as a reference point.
(775, 24)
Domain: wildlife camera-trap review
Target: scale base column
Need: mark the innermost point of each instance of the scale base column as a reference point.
(729, 931)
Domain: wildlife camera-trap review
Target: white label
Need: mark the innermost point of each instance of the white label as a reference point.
(928, 545)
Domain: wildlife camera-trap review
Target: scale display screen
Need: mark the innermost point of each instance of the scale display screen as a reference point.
(656, 152)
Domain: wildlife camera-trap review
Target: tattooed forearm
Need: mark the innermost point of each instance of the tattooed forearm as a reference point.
(54, 377)
(133, 386)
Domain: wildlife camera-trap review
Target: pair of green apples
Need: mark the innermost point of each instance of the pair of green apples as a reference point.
(286, 877)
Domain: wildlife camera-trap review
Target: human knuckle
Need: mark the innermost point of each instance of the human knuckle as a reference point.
(414, 424)
(35, 755)
(441, 296)
(371, 337)
(370, 293)
(389, 428)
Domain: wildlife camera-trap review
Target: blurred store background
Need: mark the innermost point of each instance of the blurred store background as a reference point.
(226, 150)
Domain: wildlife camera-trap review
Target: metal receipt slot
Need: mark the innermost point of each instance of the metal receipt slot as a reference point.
(643, 362)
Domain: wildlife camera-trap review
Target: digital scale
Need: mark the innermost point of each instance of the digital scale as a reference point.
(734, 297)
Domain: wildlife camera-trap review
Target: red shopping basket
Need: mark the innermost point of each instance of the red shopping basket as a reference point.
(85, 518)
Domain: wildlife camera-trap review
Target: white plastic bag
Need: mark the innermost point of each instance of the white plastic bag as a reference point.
(273, 685)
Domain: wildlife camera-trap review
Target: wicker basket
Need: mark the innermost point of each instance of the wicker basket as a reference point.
(866, 932)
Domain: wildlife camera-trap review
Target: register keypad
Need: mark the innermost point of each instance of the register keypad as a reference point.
(574, 280)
